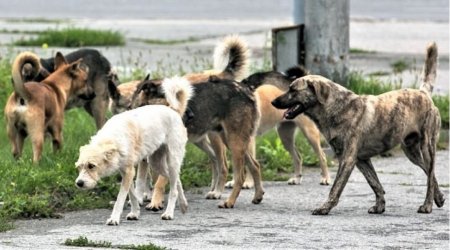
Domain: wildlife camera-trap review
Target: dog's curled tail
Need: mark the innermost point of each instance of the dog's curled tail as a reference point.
(429, 71)
(178, 91)
(231, 57)
(26, 67)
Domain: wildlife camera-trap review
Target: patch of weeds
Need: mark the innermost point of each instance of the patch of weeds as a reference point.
(84, 242)
(35, 20)
(166, 42)
(25, 32)
(406, 184)
(149, 246)
(444, 185)
(399, 66)
(75, 37)
(5, 224)
(378, 73)
(361, 51)
(442, 103)
(363, 85)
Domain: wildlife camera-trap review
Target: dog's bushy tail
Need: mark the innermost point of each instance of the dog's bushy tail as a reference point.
(231, 57)
(178, 91)
(26, 67)
(429, 70)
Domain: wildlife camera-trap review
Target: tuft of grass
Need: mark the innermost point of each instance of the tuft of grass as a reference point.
(371, 85)
(166, 42)
(83, 241)
(5, 224)
(399, 66)
(361, 51)
(75, 37)
(35, 20)
(442, 103)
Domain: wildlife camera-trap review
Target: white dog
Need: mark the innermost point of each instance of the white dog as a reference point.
(154, 131)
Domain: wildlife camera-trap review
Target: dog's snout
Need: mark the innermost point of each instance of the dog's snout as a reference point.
(80, 183)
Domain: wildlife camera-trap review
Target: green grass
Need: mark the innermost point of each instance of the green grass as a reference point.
(85, 242)
(74, 37)
(35, 20)
(399, 66)
(361, 51)
(166, 42)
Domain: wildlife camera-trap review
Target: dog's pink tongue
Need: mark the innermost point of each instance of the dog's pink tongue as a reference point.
(285, 114)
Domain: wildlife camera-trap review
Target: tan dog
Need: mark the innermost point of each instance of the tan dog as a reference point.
(360, 127)
(36, 109)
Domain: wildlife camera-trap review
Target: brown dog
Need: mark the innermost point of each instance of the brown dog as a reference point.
(359, 127)
(35, 109)
(94, 100)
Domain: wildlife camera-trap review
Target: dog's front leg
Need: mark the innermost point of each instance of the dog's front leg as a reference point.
(346, 164)
(127, 180)
(135, 211)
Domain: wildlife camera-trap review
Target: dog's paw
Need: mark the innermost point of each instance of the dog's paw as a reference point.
(212, 195)
(229, 184)
(133, 216)
(112, 222)
(154, 208)
(295, 180)
(167, 216)
(183, 207)
(147, 197)
(325, 181)
(439, 199)
(321, 211)
(376, 210)
(424, 209)
(248, 184)
(226, 204)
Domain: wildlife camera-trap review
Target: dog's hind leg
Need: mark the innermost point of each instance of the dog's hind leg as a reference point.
(135, 211)
(37, 138)
(312, 134)
(16, 138)
(216, 153)
(142, 187)
(255, 169)
(238, 151)
(367, 169)
(422, 154)
(56, 133)
(127, 182)
(286, 131)
(157, 162)
(181, 198)
(172, 168)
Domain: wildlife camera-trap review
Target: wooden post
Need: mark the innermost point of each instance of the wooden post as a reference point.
(327, 38)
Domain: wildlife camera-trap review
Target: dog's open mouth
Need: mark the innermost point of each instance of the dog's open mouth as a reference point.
(292, 112)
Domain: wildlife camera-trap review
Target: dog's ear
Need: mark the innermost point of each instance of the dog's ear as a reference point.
(147, 77)
(60, 60)
(320, 88)
(109, 151)
(76, 66)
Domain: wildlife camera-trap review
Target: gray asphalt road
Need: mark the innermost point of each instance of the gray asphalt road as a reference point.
(434, 10)
(282, 221)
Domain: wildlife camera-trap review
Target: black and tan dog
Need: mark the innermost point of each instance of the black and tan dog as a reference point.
(267, 86)
(225, 108)
(231, 59)
(95, 100)
(37, 108)
(360, 127)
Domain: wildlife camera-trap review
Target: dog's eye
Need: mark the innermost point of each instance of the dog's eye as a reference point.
(91, 166)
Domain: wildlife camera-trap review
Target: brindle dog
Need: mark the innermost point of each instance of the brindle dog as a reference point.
(360, 127)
